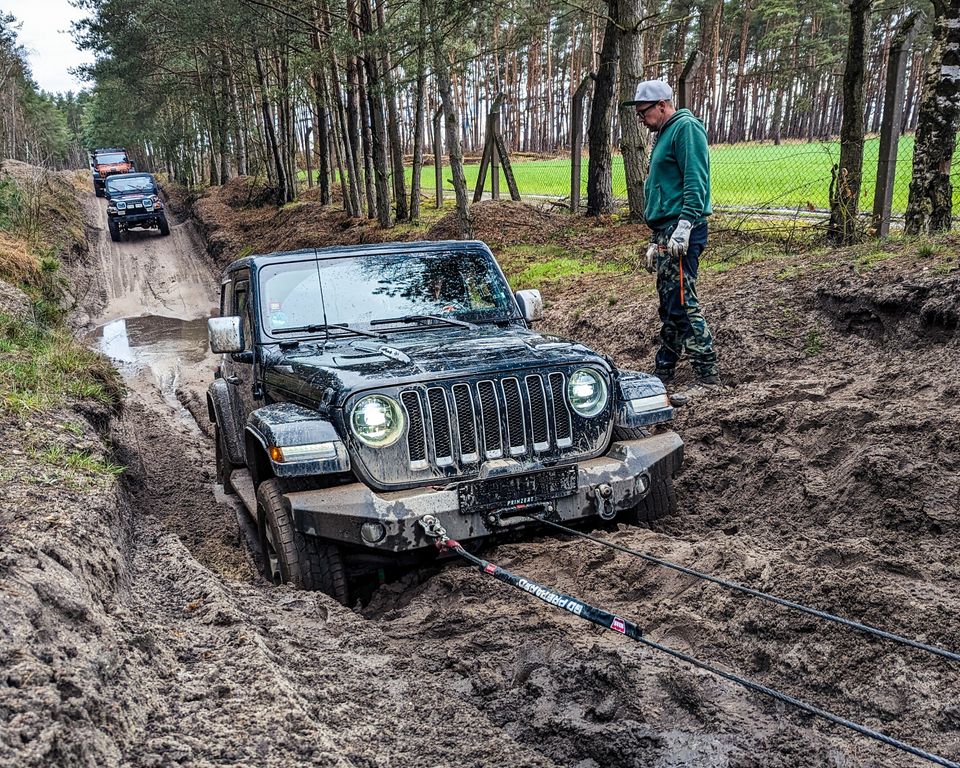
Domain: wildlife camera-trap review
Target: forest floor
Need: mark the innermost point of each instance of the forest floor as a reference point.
(137, 630)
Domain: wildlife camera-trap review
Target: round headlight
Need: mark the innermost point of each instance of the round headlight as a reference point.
(377, 420)
(587, 392)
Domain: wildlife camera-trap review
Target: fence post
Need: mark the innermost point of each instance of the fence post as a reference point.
(890, 124)
(500, 147)
(576, 141)
(494, 129)
(438, 157)
(489, 156)
(684, 93)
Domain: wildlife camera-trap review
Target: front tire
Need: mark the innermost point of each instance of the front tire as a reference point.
(164, 226)
(291, 557)
(661, 500)
(114, 231)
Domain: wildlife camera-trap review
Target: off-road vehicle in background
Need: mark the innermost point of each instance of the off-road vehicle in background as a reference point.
(106, 162)
(133, 200)
(362, 388)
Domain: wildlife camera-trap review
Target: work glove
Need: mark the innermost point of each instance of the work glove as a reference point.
(680, 239)
(652, 251)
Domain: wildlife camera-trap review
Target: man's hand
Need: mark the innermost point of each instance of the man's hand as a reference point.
(680, 239)
(652, 251)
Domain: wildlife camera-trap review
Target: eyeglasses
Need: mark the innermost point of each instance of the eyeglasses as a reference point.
(642, 113)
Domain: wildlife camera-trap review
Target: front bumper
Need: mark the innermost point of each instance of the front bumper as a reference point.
(140, 219)
(338, 513)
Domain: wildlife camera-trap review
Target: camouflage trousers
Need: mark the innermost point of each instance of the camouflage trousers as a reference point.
(683, 325)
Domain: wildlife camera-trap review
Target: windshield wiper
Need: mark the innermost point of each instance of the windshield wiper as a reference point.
(317, 327)
(421, 318)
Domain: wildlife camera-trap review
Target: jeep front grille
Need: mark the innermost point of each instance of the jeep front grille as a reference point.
(440, 417)
(416, 434)
(510, 417)
(561, 416)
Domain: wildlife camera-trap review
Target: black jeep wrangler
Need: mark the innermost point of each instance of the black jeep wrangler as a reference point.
(133, 200)
(363, 388)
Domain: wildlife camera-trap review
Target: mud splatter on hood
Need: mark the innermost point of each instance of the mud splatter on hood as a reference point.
(424, 355)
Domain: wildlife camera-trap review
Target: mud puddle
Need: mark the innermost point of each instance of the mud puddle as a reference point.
(160, 347)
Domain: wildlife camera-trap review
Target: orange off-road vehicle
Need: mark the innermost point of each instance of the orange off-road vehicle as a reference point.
(108, 161)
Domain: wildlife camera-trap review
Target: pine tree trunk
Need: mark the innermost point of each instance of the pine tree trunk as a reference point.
(599, 171)
(418, 121)
(930, 205)
(378, 136)
(269, 131)
(393, 123)
(353, 132)
(349, 178)
(237, 121)
(845, 192)
(632, 136)
(366, 142)
(323, 146)
(441, 66)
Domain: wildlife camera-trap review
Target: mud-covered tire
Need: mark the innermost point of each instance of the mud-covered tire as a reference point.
(660, 501)
(164, 226)
(662, 498)
(114, 231)
(291, 557)
(224, 466)
(630, 433)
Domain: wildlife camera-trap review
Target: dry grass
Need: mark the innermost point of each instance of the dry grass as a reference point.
(19, 263)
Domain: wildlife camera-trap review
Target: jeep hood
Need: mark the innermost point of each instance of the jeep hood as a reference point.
(312, 374)
(127, 197)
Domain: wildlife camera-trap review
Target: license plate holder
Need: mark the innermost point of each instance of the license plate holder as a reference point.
(517, 490)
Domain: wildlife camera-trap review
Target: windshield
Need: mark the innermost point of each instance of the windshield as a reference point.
(130, 184)
(463, 285)
(113, 157)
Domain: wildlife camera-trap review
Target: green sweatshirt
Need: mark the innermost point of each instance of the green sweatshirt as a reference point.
(678, 185)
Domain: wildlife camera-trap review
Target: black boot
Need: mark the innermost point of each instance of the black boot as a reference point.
(664, 374)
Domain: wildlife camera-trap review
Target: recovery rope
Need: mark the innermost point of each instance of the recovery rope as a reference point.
(630, 629)
(732, 585)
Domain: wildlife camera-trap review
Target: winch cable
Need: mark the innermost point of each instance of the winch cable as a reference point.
(630, 629)
(756, 593)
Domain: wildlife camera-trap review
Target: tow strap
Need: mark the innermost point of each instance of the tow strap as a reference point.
(627, 628)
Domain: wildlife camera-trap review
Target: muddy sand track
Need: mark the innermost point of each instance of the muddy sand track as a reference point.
(149, 639)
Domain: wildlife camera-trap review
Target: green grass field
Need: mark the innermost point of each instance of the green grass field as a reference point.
(792, 175)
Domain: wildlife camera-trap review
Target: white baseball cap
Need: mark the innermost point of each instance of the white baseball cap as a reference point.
(651, 91)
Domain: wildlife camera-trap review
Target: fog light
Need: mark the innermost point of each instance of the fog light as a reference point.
(642, 483)
(372, 533)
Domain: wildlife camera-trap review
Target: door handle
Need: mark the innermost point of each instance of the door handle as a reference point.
(233, 379)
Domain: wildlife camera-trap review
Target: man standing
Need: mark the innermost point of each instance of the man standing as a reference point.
(677, 203)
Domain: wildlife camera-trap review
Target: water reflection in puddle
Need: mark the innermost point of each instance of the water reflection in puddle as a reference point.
(141, 342)
(162, 345)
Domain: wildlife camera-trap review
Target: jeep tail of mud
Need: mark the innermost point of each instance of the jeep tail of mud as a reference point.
(362, 388)
(133, 201)
(106, 162)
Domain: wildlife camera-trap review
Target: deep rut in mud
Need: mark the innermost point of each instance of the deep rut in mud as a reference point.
(830, 481)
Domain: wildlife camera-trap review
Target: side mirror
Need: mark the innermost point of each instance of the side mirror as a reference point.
(225, 334)
(531, 304)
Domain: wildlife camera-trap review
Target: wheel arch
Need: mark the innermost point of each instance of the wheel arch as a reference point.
(220, 411)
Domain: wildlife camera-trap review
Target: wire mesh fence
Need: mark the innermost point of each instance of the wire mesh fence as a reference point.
(792, 177)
